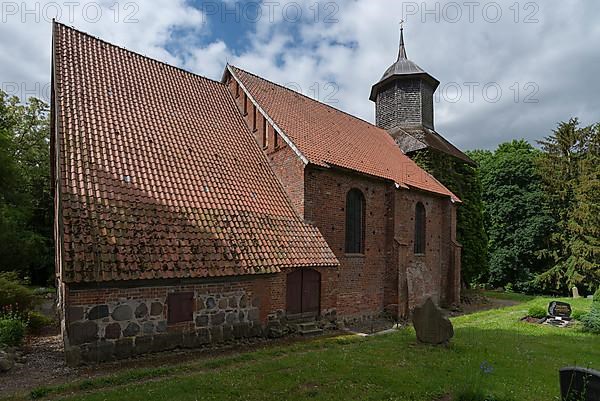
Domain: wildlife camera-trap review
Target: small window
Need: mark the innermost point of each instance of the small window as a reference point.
(254, 119)
(245, 105)
(265, 144)
(275, 139)
(180, 307)
(420, 228)
(355, 221)
(237, 89)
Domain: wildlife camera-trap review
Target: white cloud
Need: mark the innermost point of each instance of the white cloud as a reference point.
(555, 54)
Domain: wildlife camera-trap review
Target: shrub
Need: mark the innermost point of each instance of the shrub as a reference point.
(591, 321)
(537, 312)
(12, 276)
(12, 331)
(15, 297)
(36, 322)
(578, 315)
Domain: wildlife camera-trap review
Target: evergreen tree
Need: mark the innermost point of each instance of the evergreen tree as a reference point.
(583, 226)
(569, 167)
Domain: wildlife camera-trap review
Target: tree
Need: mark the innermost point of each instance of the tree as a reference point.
(25, 197)
(516, 222)
(570, 166)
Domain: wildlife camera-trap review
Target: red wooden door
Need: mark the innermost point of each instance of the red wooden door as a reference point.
(294, 292)
(311, 291)
(303, 292)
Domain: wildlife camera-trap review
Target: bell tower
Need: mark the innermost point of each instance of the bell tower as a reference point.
(404, 95)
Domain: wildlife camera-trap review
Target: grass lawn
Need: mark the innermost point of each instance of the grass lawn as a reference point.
(525, 359)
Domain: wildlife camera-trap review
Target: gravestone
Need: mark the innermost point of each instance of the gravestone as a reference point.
(579, 384)
(575, 292)
(559, 309)
(559, 314)
(431, 325)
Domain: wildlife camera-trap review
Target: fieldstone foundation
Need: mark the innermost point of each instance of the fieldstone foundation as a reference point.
(125, 327)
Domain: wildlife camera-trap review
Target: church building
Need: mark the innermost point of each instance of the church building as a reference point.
(192, 212)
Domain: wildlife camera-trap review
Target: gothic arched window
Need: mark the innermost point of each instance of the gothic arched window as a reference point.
(355, 222)
(420, 228)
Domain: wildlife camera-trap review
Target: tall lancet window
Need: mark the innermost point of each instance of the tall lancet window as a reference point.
(420, 228)
(355, 222)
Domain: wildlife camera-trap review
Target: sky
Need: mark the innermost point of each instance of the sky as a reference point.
(508, 69)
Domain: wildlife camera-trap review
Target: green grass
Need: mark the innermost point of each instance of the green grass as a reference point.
(509, 296)
(524, 360)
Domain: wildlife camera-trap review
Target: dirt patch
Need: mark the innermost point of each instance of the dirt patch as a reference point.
(44, 364)
(371, 326)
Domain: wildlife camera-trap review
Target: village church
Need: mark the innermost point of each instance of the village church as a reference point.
(191, 211)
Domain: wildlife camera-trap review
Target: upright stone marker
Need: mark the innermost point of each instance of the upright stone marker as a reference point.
(431, 325)
(575, 292)
(579, 384)
(559, 309)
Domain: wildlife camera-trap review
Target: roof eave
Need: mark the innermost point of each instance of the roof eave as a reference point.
(375, 88)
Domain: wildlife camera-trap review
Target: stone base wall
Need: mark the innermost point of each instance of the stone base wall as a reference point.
(107, 324)
(103, 324)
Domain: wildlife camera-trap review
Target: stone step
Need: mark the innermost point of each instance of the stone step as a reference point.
(311, 332)
(306, 326)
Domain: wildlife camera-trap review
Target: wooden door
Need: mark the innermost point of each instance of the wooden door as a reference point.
(303, 293)
(294, 292)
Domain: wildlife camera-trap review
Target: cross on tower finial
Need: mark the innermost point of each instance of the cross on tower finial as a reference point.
(402, 50)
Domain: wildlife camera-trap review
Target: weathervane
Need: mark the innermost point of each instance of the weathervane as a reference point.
(401, 24)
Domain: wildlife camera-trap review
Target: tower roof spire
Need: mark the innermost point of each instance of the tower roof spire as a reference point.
(402, 49)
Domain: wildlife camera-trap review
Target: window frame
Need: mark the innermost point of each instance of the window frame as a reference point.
(354, 239)
(420, 233)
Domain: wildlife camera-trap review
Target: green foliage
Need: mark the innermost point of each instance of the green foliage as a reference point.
(25, 191)
(537, 311)
(15, 297)
(570, 167)
(12, 331)
(516, 221)
(463, 180)
(591, 321)
(579, 315)
(36, 322)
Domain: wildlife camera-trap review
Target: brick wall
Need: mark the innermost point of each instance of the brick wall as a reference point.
(361, 278)
(389, 276)
(430, 274)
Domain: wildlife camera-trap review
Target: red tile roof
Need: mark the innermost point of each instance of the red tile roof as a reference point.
(326, 136)
(159, 175)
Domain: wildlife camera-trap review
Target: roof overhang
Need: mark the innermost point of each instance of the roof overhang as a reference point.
(397, 77)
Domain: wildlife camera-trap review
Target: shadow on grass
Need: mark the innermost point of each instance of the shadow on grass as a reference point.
(517, 363)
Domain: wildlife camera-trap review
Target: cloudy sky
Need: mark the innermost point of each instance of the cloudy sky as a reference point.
(508, 69)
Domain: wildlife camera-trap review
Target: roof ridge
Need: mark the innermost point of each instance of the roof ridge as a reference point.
(309, 98)
(72, 28)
